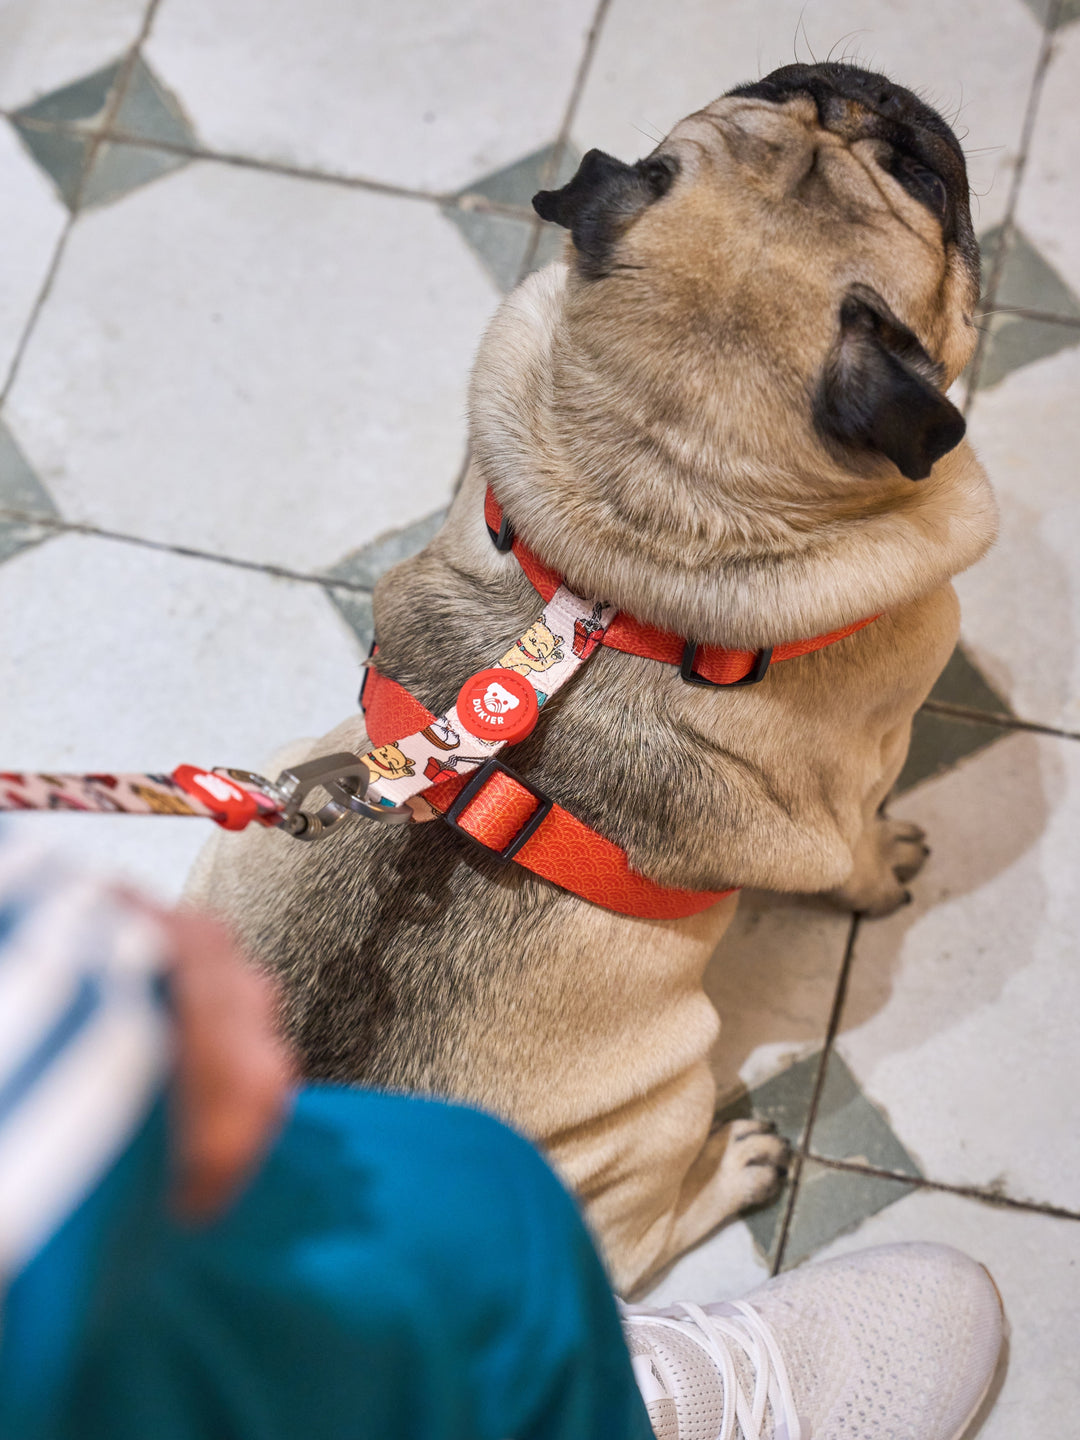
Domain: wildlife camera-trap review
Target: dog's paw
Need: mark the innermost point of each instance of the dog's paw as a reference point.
(891, 854)
(904, 848)
(753, 1162)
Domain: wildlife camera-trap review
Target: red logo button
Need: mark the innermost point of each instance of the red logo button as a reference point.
(498, 705)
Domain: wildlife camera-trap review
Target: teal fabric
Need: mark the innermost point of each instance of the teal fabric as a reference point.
(398, 1269)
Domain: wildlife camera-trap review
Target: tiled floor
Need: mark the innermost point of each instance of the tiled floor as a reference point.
(248, 252)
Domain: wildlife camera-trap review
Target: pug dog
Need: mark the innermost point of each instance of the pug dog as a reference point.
(724, 412)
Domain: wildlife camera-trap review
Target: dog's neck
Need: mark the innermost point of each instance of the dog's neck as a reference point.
(744, 556)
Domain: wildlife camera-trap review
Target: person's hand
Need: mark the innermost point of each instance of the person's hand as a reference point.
(233, 1074)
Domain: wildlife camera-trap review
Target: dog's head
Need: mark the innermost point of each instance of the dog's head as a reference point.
(808, 236)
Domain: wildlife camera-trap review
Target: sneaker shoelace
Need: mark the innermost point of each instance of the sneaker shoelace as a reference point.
(740, 1325)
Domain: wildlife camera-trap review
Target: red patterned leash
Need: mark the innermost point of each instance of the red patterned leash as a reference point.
(234, 798)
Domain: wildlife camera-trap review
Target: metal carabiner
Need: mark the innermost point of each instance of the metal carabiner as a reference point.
(345, 778)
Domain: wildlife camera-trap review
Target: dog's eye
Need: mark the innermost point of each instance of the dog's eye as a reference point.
(923, 184)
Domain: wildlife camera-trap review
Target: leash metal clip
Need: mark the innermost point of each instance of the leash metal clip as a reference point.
(345, 778)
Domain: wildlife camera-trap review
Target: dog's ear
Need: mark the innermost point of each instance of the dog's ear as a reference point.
(602, 199)
(879, 390)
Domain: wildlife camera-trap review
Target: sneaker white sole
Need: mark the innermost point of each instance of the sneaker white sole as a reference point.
(977, 1416)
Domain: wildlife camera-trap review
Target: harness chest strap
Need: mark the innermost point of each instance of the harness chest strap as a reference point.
(496, 808)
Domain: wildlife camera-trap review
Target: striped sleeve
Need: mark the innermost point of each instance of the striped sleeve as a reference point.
(84, 1041)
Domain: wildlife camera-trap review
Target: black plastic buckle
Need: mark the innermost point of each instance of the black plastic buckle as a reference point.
(367, 672)
(758, 670)
(503, 538)
(473, 788)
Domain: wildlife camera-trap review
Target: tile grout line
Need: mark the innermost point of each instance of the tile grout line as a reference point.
(562, 137)
(189, 552)
(94, 137)
(35, 310)
(1023, 312)
(967, 1192)
(466, 201)
(801, 1150)
(964, 713)
(1008, 223)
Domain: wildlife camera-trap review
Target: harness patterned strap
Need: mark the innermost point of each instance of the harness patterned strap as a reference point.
(501, 812)
(496, 707)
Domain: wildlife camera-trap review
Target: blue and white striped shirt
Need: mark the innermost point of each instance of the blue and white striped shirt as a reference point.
(84, 1041)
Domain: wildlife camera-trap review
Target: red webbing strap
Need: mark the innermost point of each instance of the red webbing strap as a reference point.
(567, 852)
(563, 849)
(633, 637)
(390, 711)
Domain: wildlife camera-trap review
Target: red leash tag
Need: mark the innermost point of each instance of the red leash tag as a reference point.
(233, 808)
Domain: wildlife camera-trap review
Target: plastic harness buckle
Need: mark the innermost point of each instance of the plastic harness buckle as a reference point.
(757, 673)
(488, 771)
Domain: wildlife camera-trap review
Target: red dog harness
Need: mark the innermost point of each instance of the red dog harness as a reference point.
(511, 819)
(419, 768)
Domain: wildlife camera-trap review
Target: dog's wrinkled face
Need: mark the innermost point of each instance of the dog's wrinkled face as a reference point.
(811, 230)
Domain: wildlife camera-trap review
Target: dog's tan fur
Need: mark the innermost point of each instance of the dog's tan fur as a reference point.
(651, 434)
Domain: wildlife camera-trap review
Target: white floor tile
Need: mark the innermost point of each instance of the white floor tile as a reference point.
(1021, 604)
(427, 95)
(959, 1020)
(721, 1268)
(974, 54)
(1049, 205)
(1035, 1262)
(27, 242)
(252, 365)
(48, 43)
(117, 657)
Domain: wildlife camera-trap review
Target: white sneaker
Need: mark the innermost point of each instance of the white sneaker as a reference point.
(897, 1343)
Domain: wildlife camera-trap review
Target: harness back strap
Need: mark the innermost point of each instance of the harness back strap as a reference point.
(503, 815)
(710, 664)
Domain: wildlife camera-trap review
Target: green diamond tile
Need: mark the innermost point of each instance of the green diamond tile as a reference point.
(366, 565)
(62, 154)
(963, 683)
(505, 243)
(784, 1099)
(1015, 341)
(1066, 13)
(150, 112)
(516, 184)
(831, 1203)
(147, 112)
(501, 242)
(1028, 282)
(22, 496)
(118, 169)
(938, 742)
(850, 1127)
(847, 1126)
(82, 103)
